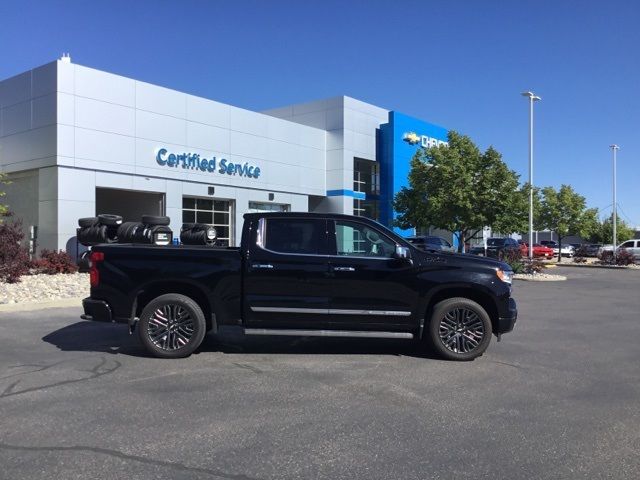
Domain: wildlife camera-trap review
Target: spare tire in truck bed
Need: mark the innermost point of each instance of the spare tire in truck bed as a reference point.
(152, 220)
(87, 222)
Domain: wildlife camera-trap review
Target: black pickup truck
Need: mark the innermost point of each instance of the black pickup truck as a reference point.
(302, 274)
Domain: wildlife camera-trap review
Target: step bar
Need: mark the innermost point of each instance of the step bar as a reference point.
(326, 333)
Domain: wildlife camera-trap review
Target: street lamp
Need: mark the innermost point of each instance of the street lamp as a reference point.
(614, 149)
(532, 98)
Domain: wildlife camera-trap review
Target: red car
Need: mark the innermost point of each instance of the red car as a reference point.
(538, 250)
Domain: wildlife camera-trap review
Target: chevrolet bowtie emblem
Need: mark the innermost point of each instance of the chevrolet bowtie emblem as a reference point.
(411, 138)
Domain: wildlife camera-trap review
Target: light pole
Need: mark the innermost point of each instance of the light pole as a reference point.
(532, 98)
(614, 149)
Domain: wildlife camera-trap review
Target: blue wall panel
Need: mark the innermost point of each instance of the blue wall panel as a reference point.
(400, 139)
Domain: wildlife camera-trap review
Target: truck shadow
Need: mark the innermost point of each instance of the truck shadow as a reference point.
(114, 339)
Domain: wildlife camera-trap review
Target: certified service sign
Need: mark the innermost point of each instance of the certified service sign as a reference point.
(194, 161)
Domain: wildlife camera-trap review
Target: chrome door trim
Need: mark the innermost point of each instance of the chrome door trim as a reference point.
(326, 333)
(332, 311)
(392, 313)
(317, 311)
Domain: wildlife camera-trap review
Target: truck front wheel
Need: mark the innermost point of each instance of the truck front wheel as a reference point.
(460, 329)
(172, 326)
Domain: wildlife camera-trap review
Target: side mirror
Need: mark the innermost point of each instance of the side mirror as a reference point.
(402, 253)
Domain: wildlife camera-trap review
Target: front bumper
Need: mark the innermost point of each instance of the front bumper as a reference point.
(507, 322)
(96, 310)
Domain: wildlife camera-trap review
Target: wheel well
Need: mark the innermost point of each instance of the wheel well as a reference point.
(483, 299)
(162, 288)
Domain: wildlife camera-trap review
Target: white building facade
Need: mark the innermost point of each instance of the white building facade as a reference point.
(76, 142)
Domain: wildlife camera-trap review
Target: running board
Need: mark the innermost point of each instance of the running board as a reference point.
(326, 333)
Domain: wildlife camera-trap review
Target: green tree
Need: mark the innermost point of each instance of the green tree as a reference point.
(604, 233)
(461, 189)
(516, 217)
(564, 212)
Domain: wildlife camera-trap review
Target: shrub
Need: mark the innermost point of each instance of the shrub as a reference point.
(52, 262)
(623, 257)
(606, 257)
(535, 266)
(580, 255)
(514, 259)
(14, 258)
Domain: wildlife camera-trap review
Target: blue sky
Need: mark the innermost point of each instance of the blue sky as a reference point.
(460, 64)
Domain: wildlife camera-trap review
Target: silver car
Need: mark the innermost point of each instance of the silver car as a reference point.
(631, 246)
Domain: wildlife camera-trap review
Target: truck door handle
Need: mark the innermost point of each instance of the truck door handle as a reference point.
(344, 269)
(262, 266)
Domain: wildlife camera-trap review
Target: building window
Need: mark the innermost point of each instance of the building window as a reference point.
(366, 176)
(218, 213)
(366, 179)
(366, 208)
(258, 207)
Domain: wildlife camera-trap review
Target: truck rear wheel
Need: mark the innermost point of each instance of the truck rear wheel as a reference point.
(460, 329)
(172, 326)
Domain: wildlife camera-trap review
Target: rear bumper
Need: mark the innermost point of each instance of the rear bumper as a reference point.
(96, 310)
(508, 321)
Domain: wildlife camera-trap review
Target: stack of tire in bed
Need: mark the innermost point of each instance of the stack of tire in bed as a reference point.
(100, 229)
(198, 234)
(107, 228)
(152, 230)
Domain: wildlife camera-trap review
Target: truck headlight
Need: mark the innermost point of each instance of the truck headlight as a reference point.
(505, 275)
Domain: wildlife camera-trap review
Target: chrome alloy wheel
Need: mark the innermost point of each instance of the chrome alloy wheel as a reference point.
(171, 327)
(461, 330)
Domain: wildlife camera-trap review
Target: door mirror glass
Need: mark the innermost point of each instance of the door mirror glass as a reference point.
(401, 253)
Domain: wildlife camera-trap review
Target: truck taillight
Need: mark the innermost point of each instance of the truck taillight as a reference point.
(94, 275)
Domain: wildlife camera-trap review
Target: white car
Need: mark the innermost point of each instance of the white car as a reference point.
(567, 251)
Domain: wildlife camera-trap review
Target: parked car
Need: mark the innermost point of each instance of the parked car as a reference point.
(592, 249)
(631, 246)
(539, 251)
(567, 250)
(499, 247)
(605, 248)
(430, 242)
(302, 274)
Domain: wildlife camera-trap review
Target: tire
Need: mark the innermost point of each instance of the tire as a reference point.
(152, 325)
(152, 221)
(109, 220)
(441, 327)
(87, 222)
(126, 231)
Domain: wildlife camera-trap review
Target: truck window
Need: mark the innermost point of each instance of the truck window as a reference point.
(358, 240)
(292, 235)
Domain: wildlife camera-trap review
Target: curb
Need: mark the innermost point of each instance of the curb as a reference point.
(27, 306)
(609, 267)
(555, 278)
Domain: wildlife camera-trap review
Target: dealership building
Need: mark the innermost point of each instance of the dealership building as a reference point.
(76, 142)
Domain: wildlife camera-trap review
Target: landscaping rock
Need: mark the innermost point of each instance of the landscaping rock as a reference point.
(33, 288)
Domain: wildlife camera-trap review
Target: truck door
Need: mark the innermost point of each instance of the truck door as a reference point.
(286, 281)
(370, 288)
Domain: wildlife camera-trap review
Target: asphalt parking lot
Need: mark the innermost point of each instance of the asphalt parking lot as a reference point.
(557, 398)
